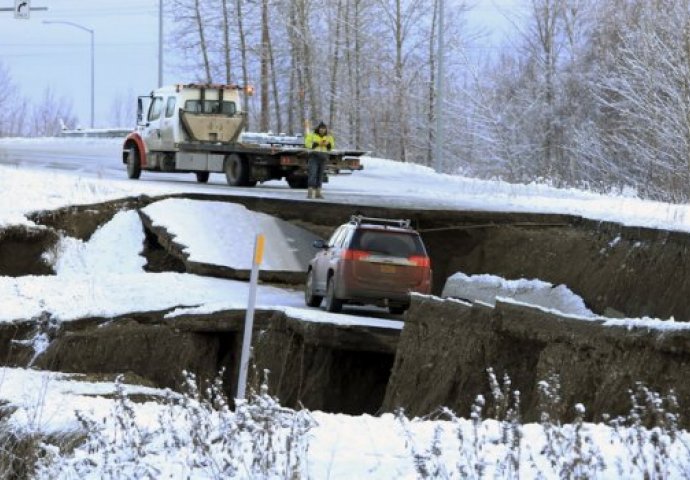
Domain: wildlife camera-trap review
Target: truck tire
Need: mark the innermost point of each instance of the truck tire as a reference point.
(237, 171)
(297, 181)
(202, 177)
(133, 163)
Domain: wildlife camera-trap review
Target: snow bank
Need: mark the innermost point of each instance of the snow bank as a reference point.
(487, 288)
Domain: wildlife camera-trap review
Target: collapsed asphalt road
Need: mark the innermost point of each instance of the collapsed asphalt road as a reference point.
(619, 271)
(629, 271)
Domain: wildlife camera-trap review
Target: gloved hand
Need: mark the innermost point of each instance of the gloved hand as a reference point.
(328, 146)
(314, 145)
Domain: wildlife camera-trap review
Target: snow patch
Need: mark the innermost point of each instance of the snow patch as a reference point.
(487, 288)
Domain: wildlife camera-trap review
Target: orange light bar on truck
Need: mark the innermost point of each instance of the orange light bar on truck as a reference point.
(233, 86)
(288, 160)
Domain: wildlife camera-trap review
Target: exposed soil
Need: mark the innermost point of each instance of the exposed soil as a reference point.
(80, 221)
(445, 347)
(596, 364)
(22, 249)
(320, 366)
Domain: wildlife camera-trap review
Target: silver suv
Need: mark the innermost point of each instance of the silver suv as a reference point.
(372, 261)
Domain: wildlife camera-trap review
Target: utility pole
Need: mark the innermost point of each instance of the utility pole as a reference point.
(160, 43)
(264, 66)
(439, 93)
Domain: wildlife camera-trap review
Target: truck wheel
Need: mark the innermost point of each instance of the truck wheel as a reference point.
(133, 163)
(202, 177)
(237, 171)
(333, 303)
(297, 181)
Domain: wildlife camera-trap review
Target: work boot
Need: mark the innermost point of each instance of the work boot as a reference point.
(317, 193)
(310, 192)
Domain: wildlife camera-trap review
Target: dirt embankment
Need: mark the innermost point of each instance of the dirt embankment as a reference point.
(596, 363)
(635, 272)
(321, 366)
(22, 250)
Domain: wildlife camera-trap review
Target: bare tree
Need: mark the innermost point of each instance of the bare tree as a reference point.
(50, 114)
(300, 37)
(123, 109)
(335, 61)
(645, 95)
(400, 19)
(263, 124)
(277, 97)
(226, 41)
(202, 40)
(13, 108)
(243, 53)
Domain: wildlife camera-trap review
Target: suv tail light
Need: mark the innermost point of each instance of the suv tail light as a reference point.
(354, 254)
(420, 260)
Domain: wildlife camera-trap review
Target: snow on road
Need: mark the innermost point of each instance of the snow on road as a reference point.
(105, 277)
(221, 233)
(100, 175)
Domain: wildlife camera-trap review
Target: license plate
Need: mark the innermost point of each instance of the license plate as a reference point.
(387, 269)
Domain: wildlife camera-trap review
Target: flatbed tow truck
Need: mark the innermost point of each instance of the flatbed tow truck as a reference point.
(198, 128)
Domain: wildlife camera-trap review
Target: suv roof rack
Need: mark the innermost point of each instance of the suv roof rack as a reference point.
(359, 219)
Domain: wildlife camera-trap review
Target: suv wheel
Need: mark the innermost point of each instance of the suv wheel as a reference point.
(309, 298)
(333, 304)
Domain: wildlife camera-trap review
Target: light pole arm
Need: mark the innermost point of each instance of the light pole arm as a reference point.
(93, 69)
(76, 25)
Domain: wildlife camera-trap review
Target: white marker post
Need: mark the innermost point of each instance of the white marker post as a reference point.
(249, 317)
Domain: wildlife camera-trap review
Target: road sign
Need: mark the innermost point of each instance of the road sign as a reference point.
(22, 9)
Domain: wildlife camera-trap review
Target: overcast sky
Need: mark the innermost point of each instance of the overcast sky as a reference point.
(39, 55)
(56, 55)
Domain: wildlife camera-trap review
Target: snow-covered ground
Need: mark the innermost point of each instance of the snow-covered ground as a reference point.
(382, 182)
(488, 288)
(104, 277)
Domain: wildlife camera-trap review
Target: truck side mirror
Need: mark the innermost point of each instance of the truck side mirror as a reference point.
(140, 111)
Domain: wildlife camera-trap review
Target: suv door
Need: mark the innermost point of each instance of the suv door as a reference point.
(324, 259)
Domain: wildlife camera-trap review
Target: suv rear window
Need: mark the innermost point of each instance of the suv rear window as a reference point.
(396, 244)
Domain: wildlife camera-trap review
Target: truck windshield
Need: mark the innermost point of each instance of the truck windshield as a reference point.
(210, 106)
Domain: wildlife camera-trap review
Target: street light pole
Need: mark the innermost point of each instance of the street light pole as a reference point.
(93, 72)
(160, 43)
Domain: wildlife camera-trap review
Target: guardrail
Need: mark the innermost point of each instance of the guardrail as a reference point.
(96, 132)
